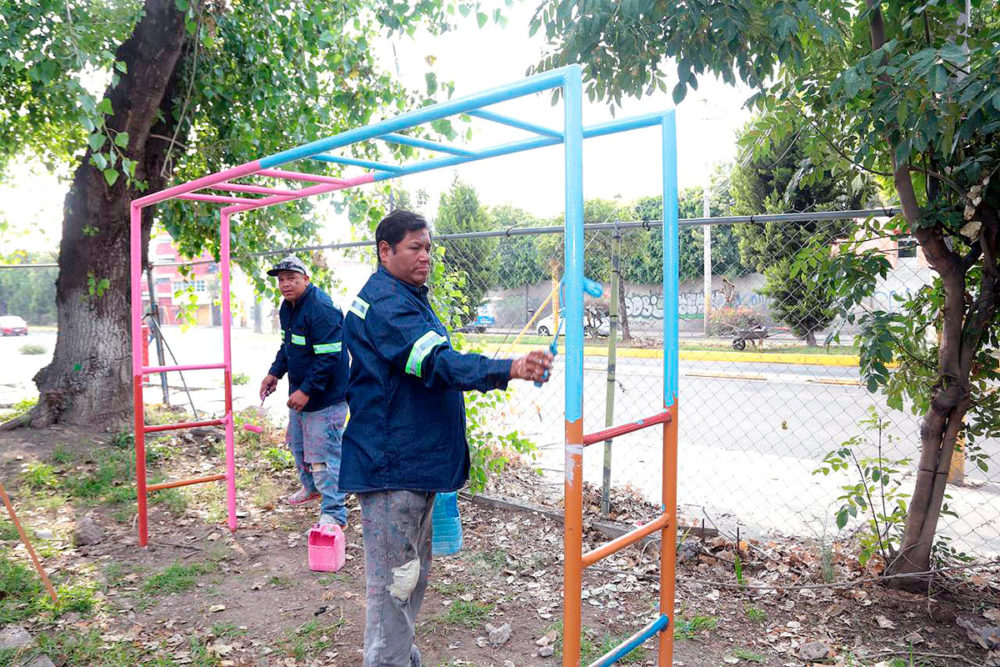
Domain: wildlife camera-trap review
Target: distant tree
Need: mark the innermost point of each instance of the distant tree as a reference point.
(777, 178)
(460, 212)
(519, 261)
(725, 250)
(29, 293)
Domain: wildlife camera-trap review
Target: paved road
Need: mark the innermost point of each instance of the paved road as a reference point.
(747, 446)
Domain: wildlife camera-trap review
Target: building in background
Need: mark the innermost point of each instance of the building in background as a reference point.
(190, 294)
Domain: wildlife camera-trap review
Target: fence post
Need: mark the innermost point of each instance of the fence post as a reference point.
(154, 312)
(609, 413)
(706, 211)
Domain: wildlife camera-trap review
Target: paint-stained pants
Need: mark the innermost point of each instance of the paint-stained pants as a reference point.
(315, 438)
(397, 532)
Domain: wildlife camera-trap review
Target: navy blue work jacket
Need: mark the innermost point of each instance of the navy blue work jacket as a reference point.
(312, 337)
(407, 425)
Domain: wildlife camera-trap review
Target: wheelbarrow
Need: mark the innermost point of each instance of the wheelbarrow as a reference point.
(755, 333)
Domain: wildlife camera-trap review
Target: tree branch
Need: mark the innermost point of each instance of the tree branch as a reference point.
(837, 148)
(187, 99)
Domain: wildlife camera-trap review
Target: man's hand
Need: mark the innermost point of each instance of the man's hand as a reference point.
(268, 386)
(298, 400)
(533, 366)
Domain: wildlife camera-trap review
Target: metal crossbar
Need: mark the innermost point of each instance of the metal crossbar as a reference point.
(633, 642)
(615, 431)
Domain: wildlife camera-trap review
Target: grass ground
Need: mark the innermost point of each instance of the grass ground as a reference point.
(199, 595)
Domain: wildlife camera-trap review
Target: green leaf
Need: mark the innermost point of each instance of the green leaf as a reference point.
(680, 91)
(110, 175)
(481, 19)
(96, 140)
(121, 66)
(104, 107)
(121, 139)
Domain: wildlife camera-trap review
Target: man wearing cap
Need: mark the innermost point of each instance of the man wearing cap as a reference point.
(311, 353)
(406, 438)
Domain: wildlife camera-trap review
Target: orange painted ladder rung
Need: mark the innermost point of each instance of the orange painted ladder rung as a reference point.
(174, 427)
(184, 482)
(620, 543)
(614, 431)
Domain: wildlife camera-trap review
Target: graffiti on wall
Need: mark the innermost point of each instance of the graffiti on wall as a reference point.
(690, 304)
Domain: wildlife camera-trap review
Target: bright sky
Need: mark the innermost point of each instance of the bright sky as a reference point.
(625, 165)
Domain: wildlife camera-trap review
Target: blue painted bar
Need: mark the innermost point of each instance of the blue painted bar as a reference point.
(623, 649)
(514, 122)
(424, 143)
(573, 273)
(503, 149)
(611, 127)
(671, 254)
(623, 124)
(355, 162)
(532, 84)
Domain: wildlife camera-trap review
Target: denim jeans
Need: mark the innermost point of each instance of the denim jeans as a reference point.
(397, 530)
(315, 438)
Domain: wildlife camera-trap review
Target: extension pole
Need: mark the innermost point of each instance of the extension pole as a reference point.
(609, 400)
(27, 545)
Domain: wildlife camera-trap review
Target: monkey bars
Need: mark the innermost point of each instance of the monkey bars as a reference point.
(226, 189)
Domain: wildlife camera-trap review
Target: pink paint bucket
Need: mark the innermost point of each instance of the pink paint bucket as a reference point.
(326, 548)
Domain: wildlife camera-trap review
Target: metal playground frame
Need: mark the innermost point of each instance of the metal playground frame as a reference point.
(569, 81)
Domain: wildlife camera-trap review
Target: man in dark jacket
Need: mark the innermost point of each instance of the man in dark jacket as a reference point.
(406, 437)
(312, 332)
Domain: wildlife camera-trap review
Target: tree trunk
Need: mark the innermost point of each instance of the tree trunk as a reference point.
(964, 330)
(811, 339)
(89, 379)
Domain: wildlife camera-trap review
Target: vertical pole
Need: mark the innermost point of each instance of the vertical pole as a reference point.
(706, 212)
(671, 254)
(139, 420)
(573, 281)
(227, 314)
(609, 398)
(154, 313)
(554, 270)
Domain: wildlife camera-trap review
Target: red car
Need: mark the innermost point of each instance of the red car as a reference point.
(12, 325)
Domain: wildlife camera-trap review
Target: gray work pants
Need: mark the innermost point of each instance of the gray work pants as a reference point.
(397, 531)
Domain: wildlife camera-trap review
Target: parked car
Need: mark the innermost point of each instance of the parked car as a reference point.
(485, 319)
(12, 325)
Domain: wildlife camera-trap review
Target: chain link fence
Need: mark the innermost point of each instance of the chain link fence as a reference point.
(763, 399)
(765, 396)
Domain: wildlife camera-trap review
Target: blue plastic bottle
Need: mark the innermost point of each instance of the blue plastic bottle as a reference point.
(447, 525)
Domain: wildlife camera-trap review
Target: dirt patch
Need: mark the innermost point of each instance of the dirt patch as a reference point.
(202, 595)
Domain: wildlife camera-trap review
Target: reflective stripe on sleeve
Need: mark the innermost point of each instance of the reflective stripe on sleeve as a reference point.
(326, 348)
(359, 307)
(420, 350)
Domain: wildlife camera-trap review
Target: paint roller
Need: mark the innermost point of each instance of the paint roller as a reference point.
(591, 287)
(255, 428)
